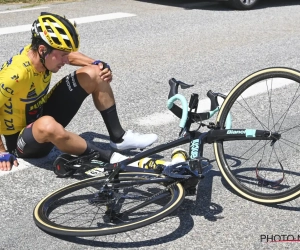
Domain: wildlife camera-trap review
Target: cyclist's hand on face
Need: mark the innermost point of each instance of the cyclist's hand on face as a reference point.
(7, 160)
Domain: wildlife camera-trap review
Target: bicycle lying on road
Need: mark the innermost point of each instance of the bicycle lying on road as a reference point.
(255, 139)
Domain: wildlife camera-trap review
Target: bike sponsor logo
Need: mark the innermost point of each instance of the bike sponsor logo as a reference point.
(68, 83)
(21, 144)
(236, 132)
(73, 79)
(8, 107)
(71, 82)
(9, 124)
(8, 90)
(15, 77)
(31, 94)
(38, 104)
(268, 238)
(26, 64)
(49, 38)
(6, 64)
(194, 148)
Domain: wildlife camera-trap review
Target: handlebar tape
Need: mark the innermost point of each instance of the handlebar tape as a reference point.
(184, 103)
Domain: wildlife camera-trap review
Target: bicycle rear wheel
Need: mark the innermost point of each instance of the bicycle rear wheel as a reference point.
(257, 170)
(137, 200)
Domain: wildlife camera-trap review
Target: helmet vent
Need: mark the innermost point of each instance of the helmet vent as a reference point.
(56, 31)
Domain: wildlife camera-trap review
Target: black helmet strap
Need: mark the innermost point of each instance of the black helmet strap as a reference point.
(42, 58)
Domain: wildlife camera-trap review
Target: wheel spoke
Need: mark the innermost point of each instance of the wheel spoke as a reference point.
(87, 209)
(268, 99)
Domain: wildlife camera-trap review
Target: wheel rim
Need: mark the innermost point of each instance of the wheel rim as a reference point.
(246, 161)
(74, 214)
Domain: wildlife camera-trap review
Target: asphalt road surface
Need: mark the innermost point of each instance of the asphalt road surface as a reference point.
(146, 43)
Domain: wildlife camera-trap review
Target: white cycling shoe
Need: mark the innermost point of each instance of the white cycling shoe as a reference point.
(133, 140)
(117, 157)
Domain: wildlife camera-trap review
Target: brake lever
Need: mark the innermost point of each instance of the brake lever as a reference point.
(174, 84)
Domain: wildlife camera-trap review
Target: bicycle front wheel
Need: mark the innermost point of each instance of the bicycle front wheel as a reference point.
(133, 201)
(263, 171)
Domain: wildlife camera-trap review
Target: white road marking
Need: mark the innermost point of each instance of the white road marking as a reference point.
(270, 84)
(79, 20)
(157, 119)
(104, 17)
(23, 9)
(164, 118)
(15, 29)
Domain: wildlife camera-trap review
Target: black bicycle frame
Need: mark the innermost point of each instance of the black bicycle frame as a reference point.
(197, 140)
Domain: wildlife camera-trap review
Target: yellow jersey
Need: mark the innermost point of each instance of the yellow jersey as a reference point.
(23, 91)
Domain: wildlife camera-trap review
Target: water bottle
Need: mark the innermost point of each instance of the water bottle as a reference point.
(179, 155)
(150, 163)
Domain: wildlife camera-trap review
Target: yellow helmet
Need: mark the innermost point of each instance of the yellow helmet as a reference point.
(56, 31)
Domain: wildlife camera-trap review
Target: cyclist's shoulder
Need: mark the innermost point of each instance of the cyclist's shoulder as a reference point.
(18, 64)
(21, 59)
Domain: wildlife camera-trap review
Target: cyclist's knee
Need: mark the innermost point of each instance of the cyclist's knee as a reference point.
(89, 78)
(92, 71)
(45, 128)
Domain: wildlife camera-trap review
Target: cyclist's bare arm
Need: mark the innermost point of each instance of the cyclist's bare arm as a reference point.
(79, 59)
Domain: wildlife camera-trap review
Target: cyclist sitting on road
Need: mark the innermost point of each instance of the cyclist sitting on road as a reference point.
(33, 120)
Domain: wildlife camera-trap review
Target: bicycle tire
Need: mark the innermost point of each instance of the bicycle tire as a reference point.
(254, 169)
(94, 214)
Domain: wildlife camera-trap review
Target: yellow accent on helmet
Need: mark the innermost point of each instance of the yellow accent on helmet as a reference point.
(56, 31)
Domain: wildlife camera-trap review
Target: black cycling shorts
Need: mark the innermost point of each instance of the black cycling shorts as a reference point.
(64, 101)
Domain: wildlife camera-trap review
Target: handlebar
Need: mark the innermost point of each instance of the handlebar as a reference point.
(174, 84)
(183, 101)
(183, 112)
